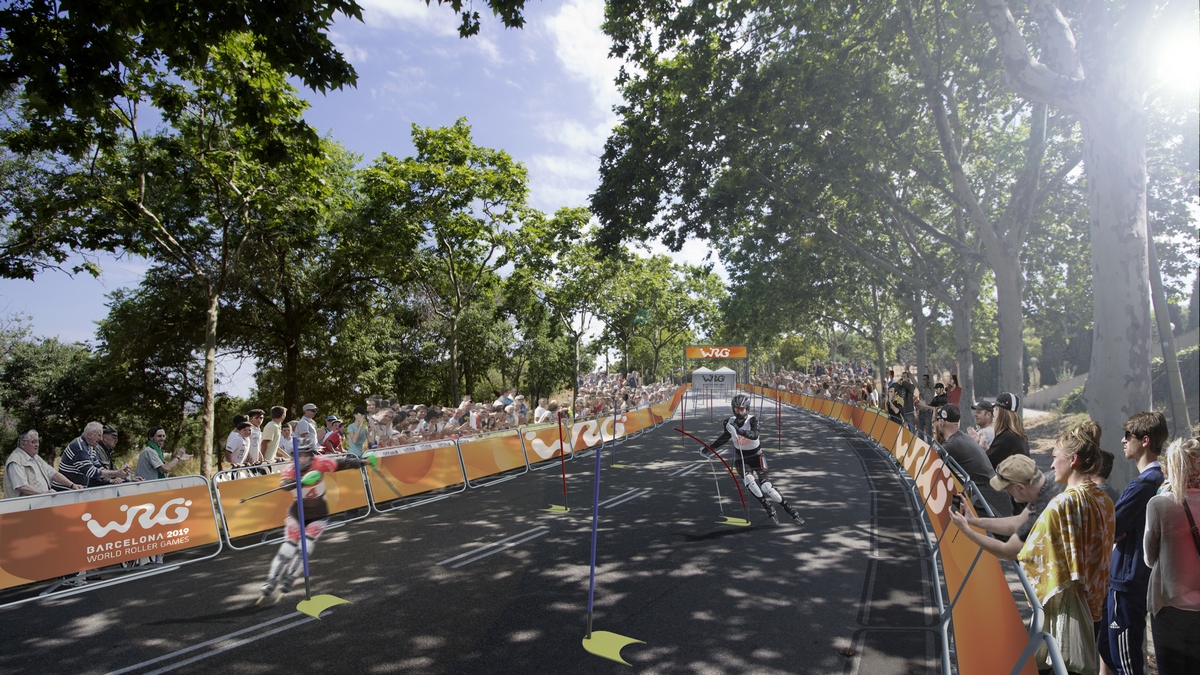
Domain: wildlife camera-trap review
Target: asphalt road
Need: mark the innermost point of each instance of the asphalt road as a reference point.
(487, 582)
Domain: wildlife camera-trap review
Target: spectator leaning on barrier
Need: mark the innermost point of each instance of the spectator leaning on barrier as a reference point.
(26, 473)
(306, 429)
(237, 445)
(105, 447)
(1171, 548)
(1120, 643)
(331, 443)
(970, 457)
(984, 420)
(151, 463)
(1063, 540)
(286, 433)
(80, 463)
(255, 455)
(1010, 438)
(272, 434)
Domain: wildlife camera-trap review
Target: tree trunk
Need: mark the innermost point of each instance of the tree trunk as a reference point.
(454, 359)
(207, 446)
(575, 377)
(1006, 266)
(291, 382)
(920, 332)
(877, 338)
(960, 317)
(1114, 153)
(1181, 425)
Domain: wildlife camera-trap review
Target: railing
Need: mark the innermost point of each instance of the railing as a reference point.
(987, 628)
(101, 530)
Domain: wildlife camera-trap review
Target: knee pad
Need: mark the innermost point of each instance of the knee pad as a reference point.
(753, 486)
(771, 492)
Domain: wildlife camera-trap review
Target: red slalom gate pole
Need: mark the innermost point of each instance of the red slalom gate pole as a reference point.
(562, 455)
(710, 404)
(779, 421)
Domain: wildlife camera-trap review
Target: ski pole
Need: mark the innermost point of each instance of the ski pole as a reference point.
(274, 489)
(386, 481)
(736, 482)
(720, 502)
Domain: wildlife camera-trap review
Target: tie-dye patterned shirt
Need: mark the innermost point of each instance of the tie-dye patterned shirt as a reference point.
(1072, 543)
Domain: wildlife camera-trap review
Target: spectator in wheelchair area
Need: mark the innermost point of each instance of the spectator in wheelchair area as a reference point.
(26, 473)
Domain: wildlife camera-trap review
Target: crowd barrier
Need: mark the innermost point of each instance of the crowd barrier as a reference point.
(986, 622)
(44, 537)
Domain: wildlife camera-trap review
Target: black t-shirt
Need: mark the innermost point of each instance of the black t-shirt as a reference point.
(974, 461)
(939, 400)
(1005, 445)
(906, 390)
(1049, 491)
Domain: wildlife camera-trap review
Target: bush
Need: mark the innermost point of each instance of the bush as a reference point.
(1072, 403)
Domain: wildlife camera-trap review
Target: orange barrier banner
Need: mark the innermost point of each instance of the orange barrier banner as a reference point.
(835, 410)
(492, 454)
(48, 536)
(344, 491)
(541, 442)
(417, 468)
(640, 419)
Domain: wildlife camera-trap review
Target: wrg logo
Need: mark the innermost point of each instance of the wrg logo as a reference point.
(147, 519)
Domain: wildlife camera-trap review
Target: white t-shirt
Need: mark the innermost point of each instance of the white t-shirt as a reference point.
(254, 453)
(238, 447)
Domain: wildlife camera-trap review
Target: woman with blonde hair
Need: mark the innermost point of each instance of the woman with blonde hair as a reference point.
(1172, 551)
(1067, 554)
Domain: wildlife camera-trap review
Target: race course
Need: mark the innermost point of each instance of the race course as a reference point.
(487, 581)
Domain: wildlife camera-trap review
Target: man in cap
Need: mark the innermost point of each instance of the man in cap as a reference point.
(972, 458)
(1019, 476)
(306, 429)
(984, 417)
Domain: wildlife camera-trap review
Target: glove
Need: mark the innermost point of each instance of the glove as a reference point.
(311, 478)
(372, 459)
(706, 453)
(733, 432)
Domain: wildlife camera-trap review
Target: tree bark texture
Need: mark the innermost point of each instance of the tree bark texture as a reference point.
(1180, 422)
(207, 446)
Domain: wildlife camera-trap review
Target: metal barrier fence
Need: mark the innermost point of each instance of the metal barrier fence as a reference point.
(61, 535)
(987, 628)
(65, 534)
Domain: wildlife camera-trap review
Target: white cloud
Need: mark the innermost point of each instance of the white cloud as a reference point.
(410, 14)
(582, 48)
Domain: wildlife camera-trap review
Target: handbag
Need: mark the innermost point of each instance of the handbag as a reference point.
(1069, 622)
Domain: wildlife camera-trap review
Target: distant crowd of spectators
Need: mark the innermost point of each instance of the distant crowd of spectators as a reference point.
(383, 422)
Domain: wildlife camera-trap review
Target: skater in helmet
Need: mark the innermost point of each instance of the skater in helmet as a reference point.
(286, 566)
(750, 462)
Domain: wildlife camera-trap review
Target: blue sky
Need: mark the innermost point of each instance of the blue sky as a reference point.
(543, 93)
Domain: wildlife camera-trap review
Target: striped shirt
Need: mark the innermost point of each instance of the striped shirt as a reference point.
(81, 464)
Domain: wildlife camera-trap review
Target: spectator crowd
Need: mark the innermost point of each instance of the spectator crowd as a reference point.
(1100, 563)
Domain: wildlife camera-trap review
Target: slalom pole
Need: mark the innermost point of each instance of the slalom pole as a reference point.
(779, 422)
(300, 513)
(562, 455)
(595, 528)
(736, 483)
(683, 419)
(710, 414)
(243, 500)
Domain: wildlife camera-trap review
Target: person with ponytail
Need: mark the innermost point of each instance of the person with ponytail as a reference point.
(1172, 551)
(1069, 549)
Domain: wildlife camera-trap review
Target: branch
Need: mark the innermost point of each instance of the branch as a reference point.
(1026, 75)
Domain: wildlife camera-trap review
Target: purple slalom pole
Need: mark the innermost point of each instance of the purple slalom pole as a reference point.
(595, 529)
(300, 514)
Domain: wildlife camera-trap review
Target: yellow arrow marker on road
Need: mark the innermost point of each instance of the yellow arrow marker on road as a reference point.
(609, 645)
(319, 603)
(555, 508)
(730, 520)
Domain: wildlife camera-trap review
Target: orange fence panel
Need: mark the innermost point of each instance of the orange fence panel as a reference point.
(344, 491)
(492, 454)
(542, 444)
(48, 536)
(417, 468)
